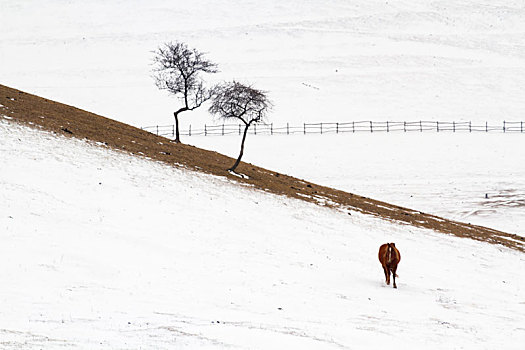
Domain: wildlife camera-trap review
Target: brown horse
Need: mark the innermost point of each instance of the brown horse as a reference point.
(389, 257)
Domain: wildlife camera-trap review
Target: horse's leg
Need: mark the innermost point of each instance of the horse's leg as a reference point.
(387, 275)
(394, 268)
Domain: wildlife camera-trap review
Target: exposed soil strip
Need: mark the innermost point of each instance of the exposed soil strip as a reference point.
(21, 107)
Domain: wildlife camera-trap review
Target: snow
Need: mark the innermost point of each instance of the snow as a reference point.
(320, 62)
(336, 61)
(104, 250)
(445, 174)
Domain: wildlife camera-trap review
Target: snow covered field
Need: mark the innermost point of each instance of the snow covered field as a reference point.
(104, 250)
(321, 61)
(444, 174)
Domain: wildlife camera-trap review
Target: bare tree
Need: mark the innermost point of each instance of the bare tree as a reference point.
(177, 69)
(237, 101)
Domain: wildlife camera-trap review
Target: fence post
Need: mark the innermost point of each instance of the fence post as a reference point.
(470, 126)
(189, 132)
(239, 129)
(420, 126)
(405, 126)
(287, 128)
(521, 126)
(337, 128)
(387, 128)
(437, 126)
(503, 126)
(205, 131)
(304, 128)
(157, 130)
(321, 128)
(173, 130)
(222, 129)
(255, 128)
(353, 126)
(453, 126)
(486, 126)
(271, 129)
(371, 127)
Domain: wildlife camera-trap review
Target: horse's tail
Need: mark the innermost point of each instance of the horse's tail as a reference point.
(396, 252)
(392, 249)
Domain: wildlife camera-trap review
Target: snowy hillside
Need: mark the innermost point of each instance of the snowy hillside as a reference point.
(477, 178)
(321, 61)
(104, 250)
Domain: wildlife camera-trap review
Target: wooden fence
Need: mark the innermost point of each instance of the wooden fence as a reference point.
(339, 128)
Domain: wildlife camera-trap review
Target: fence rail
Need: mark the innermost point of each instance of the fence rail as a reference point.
(339, 128)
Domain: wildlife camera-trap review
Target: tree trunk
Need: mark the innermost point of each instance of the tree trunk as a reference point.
(176, 115)
(177, 137)
(242, 148)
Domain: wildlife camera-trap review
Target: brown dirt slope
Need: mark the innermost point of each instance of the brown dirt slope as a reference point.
(73, 122)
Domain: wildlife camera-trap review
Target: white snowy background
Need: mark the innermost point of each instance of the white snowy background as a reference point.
(102, 250)
(445, 174)
(320, 62)
(331, 60)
